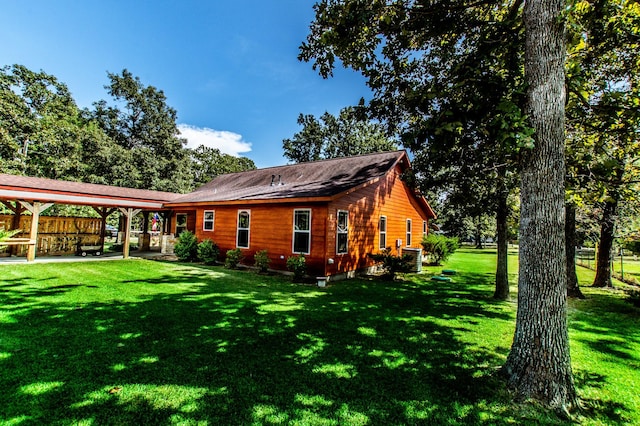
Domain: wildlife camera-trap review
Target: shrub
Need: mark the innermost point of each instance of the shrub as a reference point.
(233, 258)
(262, 260)
(208, 252)
(297, 265)
(633, 246)
(187, 247)
(392, 265)
(6, 234)
(439, 247)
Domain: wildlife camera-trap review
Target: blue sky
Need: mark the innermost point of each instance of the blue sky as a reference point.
(229, 68)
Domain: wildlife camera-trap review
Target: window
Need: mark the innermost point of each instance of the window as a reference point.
(242, 236)
(424, 228)
(181, 223)
(382, 228)
(342, 232)
(408, 232)
(207, 221)
(302, 231)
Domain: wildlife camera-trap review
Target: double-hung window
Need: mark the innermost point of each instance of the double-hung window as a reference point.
(242, 235)
(302, 231)
(408, 232)
(181, 223)
(382, 230)
(207, 220)
(342, 232)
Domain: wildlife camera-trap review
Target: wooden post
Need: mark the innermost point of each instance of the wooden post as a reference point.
(36, 208)
(129, 213)
(166, 221)
(143, 242)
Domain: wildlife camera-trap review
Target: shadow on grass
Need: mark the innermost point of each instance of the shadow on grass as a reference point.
(241, 349)
(596, 408)
(607, 316)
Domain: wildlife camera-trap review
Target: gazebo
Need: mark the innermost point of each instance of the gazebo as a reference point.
(20, 193)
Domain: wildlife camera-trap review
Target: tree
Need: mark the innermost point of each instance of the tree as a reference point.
(210, 162)
(40, 125)
(539, 363)
(604, 110)
(307, 145)
(333, 137)
(145, 125)
(448, 78)
(451, 72)
(43, 133)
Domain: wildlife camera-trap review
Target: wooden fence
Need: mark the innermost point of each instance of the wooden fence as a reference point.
(56, 235)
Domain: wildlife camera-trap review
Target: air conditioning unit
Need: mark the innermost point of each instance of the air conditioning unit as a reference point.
(416, 258)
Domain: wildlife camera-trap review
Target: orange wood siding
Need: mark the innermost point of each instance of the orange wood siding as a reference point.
(388, 197)
(271, 228)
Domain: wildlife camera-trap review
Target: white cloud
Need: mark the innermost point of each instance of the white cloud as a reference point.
(227, 142)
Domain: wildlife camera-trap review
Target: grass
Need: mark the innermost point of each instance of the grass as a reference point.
(627, 268)
(142, 342)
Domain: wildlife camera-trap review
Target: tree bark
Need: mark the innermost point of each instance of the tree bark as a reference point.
(539, 363)
(502, 275)
(573, 289)
(607, 229)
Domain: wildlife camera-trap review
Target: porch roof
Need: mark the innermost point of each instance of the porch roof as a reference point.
(13, 187)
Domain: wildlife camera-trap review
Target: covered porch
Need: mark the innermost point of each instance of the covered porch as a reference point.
(22, 194)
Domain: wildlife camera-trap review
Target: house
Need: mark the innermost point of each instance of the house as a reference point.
(334, 212)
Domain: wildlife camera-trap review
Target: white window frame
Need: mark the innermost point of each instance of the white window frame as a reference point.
(238, 229)
(344, 231)
(408, 234)
(382, 232)
(300, 231)
(424, 228)
(181, 228)
(206, 221)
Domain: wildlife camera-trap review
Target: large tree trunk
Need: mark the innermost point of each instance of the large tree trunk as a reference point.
(502, 275)
(539, 363)
(607, 228)
(573, 290)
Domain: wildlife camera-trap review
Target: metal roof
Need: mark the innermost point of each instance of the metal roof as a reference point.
(317, 179)
(14, 187)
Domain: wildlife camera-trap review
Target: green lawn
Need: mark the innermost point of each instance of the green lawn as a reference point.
(143, 342)
(627, 268)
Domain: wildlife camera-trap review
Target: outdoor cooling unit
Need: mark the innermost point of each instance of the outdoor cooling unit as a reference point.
(416, 258)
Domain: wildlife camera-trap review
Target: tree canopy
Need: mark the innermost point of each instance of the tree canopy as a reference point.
(604, 113)
(142, 123)
(133, 142)
(41, 128)
(448, 76)
(346, 135)
(210, 162)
